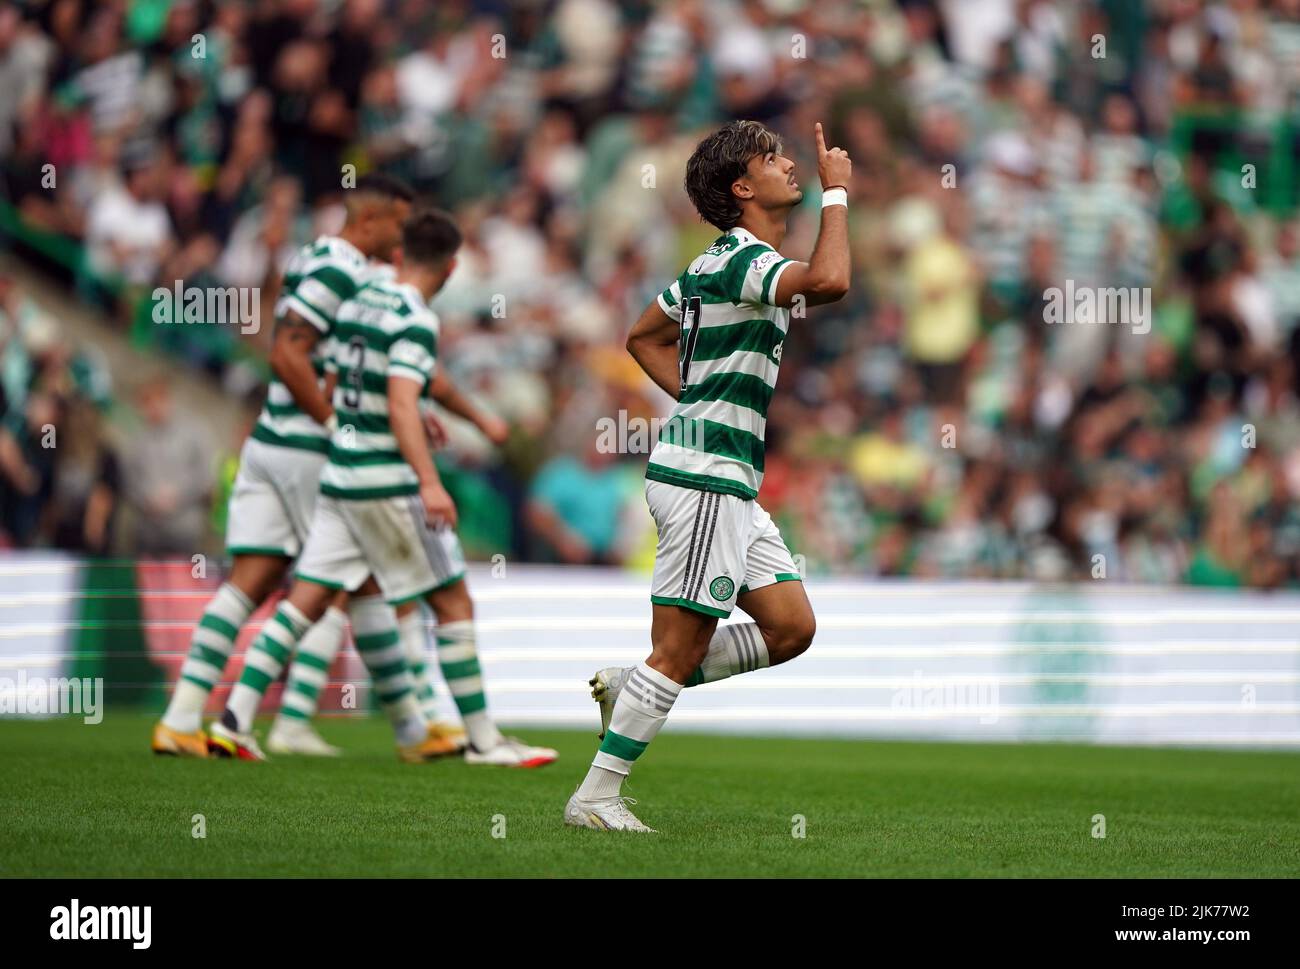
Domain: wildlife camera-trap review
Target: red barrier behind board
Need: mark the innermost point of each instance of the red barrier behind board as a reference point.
(172, 600)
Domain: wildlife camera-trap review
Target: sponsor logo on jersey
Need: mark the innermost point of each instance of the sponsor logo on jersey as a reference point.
(761, 263)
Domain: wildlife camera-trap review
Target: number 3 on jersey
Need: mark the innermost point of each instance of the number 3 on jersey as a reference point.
(356, 364)
(688, 338)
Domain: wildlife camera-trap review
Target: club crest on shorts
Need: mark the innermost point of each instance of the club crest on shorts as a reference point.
(721, 588)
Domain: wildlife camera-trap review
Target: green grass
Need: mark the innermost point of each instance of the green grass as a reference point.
(83, 800)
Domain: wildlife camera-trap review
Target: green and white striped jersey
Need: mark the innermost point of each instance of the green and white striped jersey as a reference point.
(321, 275)
(729, 352)
(385, 330)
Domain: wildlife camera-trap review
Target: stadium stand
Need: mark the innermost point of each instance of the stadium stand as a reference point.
(936, 423)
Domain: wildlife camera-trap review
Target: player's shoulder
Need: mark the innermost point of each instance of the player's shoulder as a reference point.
(406, 307)
(334, 252)
(737, 268)
(380, 294)
(733, 248)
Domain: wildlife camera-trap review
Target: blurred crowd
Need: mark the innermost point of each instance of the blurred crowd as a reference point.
(945, 420)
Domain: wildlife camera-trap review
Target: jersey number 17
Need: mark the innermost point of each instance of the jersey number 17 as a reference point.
(689, 337)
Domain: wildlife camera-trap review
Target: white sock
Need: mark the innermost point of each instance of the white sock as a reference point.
(458, 657)
(374, 626)
(642, 708)
(413, 630)
(735, 649)
(210, 647)
(263, 664)
(309, 672)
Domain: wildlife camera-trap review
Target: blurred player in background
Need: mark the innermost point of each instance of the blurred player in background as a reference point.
(279, 472)
(384, 525)
(713, 341)
(454, 615)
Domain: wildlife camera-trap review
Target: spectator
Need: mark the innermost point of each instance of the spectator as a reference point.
(128, 233)
(166, 477)
(28, 452)
(86, 484)
(576, 507)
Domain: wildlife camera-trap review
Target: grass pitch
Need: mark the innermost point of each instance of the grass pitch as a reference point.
(81, 801)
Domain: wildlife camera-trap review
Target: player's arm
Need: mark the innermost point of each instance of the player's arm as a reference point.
(331, 371)
(408, 428)
(291, 360)
(411, 362)
(653, 344)
(444, 390)
(824, 278)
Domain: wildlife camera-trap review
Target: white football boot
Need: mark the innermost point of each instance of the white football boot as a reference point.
(606, 685)
(511, 752)
(225, 742)
(607, 814)
(298, 737)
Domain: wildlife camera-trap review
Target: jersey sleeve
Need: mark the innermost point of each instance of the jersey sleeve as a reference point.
(319, 294)
(670, 301)
(761, 275)
(414, 352)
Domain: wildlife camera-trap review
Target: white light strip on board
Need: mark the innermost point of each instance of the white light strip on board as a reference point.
(758, 715)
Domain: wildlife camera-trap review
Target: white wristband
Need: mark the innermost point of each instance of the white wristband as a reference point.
(835, 196)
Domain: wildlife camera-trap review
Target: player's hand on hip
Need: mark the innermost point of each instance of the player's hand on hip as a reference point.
(439, 509)
(833, 164)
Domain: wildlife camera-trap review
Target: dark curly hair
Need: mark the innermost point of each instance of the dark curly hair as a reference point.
(718, 161)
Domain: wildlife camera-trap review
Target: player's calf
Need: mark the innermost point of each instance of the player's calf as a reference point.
(413, 633)
(232, 735)
(783, 618)
(457, 652)
(789, 638)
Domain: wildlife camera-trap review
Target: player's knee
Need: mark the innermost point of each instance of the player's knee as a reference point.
(310, 599)
(257, 576)
(452, 603)
(680, 662)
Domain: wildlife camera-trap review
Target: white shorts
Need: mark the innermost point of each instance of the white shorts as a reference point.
(273, 500)
(384, 537)
(712, 549)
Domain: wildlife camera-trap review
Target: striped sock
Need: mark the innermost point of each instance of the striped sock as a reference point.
(210, 647)
(374, 626)
(311, 665)
(458, 657)
(264, 663)
(641, 709)
(414, 633)
(735, 649)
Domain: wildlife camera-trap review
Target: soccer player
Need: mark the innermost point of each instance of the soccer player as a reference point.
(280, 464)
(455, 617)
(383, 522)
(713, 341)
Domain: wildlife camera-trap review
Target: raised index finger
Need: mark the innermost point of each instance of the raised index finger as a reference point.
(821, 140)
